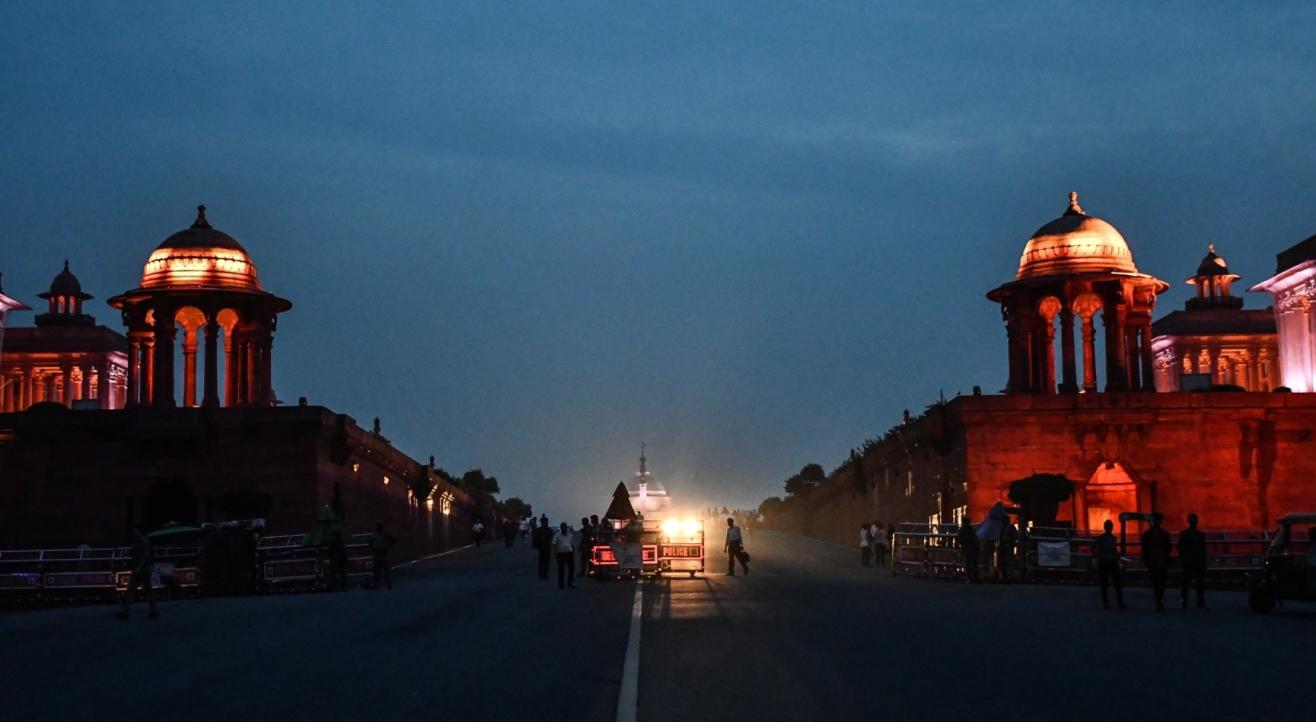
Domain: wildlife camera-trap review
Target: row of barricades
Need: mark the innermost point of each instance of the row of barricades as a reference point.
(265, 564)
(1064, 555)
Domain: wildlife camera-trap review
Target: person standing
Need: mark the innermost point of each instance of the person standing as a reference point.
(1156, 558)
(380, 542)
(1106, 552)
(338, 561)
(564, 546)
(1005, 552)
(477, 532)
(542, 540)
(865, 552)
(523, 527)
(968, 539)
(141, 563)
(586, 545)
(1192, 557)
(735, 548)
(881, 547)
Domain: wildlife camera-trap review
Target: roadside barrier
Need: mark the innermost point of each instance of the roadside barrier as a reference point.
(1061, 555)
(88, 574)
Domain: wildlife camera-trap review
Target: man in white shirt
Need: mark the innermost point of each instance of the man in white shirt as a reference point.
(564, 546)
(735, 548)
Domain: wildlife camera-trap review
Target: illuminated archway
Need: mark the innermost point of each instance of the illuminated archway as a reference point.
(1111, 489)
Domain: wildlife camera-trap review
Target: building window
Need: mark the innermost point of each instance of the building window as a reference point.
(909, 482)
(356, 468)
(386, 480)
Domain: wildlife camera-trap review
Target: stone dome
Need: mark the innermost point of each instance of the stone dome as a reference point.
(1075, 243)
(65, 284)
(200, 257)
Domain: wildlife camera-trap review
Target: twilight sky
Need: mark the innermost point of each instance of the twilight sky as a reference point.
(530, 235)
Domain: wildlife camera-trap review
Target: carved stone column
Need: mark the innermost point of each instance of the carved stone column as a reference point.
(211, 391)
(1069, 374)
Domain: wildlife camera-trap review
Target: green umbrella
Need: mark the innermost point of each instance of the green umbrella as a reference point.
(172, 529)
(325, 526)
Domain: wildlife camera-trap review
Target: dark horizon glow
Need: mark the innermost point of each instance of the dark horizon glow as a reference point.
(531, 237)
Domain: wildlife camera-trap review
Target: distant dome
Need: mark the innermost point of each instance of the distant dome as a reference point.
(65, 284)
(200, 257)
(1075, 243)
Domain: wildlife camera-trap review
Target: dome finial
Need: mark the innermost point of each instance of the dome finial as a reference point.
(1074, 208)
(201, 221)
(66, 265)
(1210, 248)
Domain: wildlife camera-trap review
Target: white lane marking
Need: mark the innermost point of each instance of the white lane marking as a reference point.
(432, 556)
(628, 698)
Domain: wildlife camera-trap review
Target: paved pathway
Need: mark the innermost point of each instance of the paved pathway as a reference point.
(809, 635)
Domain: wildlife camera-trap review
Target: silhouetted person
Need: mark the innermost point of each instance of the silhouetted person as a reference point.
(523, 528)
(564, 546)
(1005, 547)
(1192, 557)
(877, 539)
(338, 561)
(1106, 552)
(865, 551)
(735, 548)
(380, 542)
(968, 539)
(477, 532)
(542, 541)
(141, 563)
(587, 533)
(1156, 557)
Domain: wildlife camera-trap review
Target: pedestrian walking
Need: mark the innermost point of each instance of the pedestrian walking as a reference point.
(1005, 547)
(380, 542)
(865, 552)
(1192, 557)
(141, 563)
(523, 527)
(968, 539)
(1106, 554)
(1156, 558)
(542, 540)
(735, 549)
(477, 532)
(564, 546)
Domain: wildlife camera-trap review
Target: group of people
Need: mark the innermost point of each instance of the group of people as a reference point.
(1156, 546)
(874, 544)
(1001, 551)
(564, 544)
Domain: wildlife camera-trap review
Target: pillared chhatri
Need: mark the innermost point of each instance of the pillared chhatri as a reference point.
(1113, 409)
(96, 438)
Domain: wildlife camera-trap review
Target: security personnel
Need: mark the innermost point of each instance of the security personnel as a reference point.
(1156, 557)
(1192, 556)
(542, 540)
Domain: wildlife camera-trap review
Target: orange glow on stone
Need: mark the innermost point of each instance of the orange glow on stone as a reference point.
(200, 268)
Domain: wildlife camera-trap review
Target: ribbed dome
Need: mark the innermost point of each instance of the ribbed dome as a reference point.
(65, 284)
(200, 257)
(1075, 243)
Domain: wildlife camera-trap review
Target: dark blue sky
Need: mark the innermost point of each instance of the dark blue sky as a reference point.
(531, 235)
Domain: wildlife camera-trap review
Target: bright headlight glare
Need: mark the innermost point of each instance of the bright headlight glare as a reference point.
(690, 527)
(671, 527)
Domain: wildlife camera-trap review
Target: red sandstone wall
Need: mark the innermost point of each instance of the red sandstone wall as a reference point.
(1239, 460)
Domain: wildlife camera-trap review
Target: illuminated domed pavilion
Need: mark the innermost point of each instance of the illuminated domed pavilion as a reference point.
(1078, 265)
(202, 280)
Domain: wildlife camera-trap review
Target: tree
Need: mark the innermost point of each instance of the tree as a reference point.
(770, 509)
(514, 508)
(813, 473)
(475, 482)
(1039, 496)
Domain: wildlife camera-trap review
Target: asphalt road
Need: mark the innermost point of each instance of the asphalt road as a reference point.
(808, 635)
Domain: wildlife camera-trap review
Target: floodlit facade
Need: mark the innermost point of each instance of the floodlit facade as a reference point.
(1294, 290)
